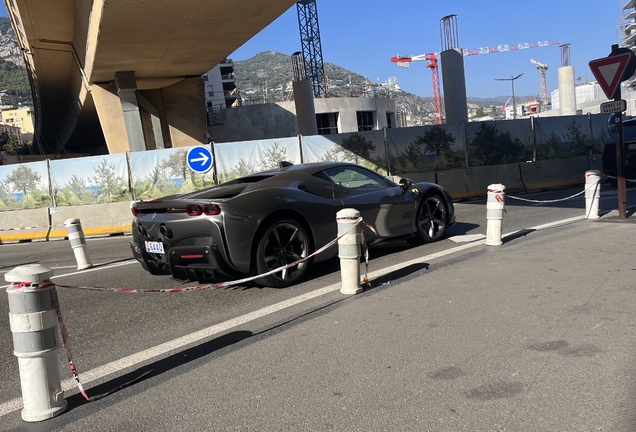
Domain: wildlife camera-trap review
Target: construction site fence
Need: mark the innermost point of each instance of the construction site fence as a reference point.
(530, 153)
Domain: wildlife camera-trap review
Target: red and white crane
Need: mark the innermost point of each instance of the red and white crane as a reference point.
(404, 61)
(432, 57)
(543, 68)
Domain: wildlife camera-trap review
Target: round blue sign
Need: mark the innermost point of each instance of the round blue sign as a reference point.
(611, 124)
(200, 159)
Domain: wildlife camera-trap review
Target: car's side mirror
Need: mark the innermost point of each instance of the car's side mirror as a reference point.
(405, 184)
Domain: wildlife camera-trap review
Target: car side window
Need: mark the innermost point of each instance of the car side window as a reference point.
(354, 178)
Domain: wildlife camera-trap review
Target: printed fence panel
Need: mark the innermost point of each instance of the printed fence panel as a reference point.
(499, 142)
(599, 123)
(24, 186)
(156, 173)
(565, 137)
(90, 180)
(238, 159)
(426, 148)
(363, 148)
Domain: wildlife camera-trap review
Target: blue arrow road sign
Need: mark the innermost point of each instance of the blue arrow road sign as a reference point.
(199, 159)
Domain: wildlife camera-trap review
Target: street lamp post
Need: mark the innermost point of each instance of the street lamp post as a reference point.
(514, 104)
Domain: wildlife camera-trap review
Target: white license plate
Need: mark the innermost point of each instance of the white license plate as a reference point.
(631, 146)
(154, 247)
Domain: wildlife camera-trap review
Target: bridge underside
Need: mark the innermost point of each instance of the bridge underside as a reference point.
(112, 76)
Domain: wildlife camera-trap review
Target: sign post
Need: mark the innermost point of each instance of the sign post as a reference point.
(610, 71)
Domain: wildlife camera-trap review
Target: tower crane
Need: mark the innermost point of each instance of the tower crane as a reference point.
(311, 46)
(542, 67)
(432, 57)
(404, 61)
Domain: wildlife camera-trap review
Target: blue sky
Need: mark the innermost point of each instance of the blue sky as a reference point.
(362, 36)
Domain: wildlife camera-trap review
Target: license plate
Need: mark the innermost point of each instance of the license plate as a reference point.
(154, 247)
(631, 146)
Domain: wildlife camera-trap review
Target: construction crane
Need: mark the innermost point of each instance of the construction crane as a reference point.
(311, 46)
(403, 61)
(542, 67)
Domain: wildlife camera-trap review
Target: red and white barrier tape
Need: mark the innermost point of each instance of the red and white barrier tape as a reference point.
(65, 336)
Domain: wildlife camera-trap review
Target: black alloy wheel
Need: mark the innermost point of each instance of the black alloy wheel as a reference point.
(283, 241)
(431, 219)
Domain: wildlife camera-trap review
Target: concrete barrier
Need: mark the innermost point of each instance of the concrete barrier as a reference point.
(429, 177)
(473, 182)
(97, 219)
(20, 225)
(554, 173)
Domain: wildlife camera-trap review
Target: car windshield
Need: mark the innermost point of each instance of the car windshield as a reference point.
(354, 178)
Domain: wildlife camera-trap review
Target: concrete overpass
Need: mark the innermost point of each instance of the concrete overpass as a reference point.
(109, 76)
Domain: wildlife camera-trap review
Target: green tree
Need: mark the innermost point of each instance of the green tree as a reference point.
(489, 147)
(436, 140)
(273, 156)
(24, 179)
(77, 186)
(176, 165)
(9, 143)
(243, 168)
(579, 143)
(357, 146)
(112, 188)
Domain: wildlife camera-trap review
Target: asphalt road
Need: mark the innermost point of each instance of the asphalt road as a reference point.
(107, 327)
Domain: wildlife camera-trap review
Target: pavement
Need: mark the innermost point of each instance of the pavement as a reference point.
(537, 334)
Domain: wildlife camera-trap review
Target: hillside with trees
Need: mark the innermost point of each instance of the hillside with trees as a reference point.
(267, 77)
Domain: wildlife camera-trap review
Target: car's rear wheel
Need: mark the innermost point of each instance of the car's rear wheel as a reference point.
(431, 219)
(283, 241)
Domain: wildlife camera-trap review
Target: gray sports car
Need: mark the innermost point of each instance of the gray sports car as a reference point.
(263, 221)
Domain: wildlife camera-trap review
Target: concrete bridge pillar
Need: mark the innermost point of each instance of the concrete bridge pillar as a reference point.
(135, 119)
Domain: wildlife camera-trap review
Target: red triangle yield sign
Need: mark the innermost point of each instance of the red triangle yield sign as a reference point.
(608, 72)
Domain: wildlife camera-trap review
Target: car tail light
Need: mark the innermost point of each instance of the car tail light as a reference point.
(135, 211)
(211, 209)
(194, 210)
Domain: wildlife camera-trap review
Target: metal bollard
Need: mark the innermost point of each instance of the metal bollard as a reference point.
(494, 214)
(78, 243)
(592, 193)
(34, 325)
(349, 250)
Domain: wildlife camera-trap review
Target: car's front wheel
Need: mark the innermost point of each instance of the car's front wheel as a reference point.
(431, 219)
(282, 243)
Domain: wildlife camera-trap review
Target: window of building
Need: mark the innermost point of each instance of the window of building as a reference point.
(327, 123)
(210, 89)
(389, 123)
(365, 120)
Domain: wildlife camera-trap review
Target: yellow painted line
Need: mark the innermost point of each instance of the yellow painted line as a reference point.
(41, 235)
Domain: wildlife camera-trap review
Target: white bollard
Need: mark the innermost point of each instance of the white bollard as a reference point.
(34, 325)
(78, 243)
(494, 214)
(349, 250)
(592, 193)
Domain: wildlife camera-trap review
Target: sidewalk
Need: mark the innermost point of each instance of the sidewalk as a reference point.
(534, 335)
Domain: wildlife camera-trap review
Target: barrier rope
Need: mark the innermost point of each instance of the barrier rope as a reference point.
(65, 335)
(616, 178)
(595, 185)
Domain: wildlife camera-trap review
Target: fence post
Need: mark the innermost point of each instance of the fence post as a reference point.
(592, 193)
(494, 214)
(78, 243)
(34, 324)
(349, 250)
